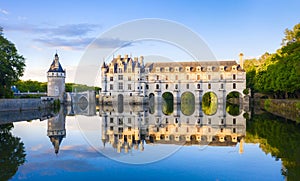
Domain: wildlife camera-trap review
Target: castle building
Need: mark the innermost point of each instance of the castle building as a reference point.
(56, 80)
(132, 80)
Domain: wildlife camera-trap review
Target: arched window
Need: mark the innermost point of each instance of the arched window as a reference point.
(167, 86)
(157, 86)
(233, 85)
(198, 86)
(176, 86)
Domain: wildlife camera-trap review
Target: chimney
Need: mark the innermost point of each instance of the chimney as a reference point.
(241, 60)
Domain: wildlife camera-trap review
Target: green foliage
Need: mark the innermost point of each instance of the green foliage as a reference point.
(167, 103)
(31, 86)
(187, 105)
(209, 103)
(246, 91)
(278, 73)
(72, 87)
(56, 105)
(267, 104)
(233, 109)
(12, 152)
(277, 137)
(11, 65)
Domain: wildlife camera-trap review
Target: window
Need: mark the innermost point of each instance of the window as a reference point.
(157, 86)
(187, 86)
(234, 130)
(120, 70)
(111, 86)
(209, 121)
(222, 121)
(120, 77)
(157, 69)
(129, 86)
(157, 77)
(111, 70)
(209, 77)
(120, 121)
(221, 77)
(120, 85)
(222, 86)
(147, 77)
(176, 86)
(187, 69)
(111, 128)
(198, 77)
(147, 86)
(198, 69)
(187, 77)
(167, 69)
(129, 128)
(233, 121)
(129, 78)
(176, 77)
(233, 76)
(111, 120)
(129, 120)
(233, 85)
(130, 94)
(167, 77)
(167, 86)
(176, 69)
(209, 86)
(198, 86)
(111, 78)
(221, 130)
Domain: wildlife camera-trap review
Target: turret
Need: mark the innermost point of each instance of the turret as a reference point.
(56, 79)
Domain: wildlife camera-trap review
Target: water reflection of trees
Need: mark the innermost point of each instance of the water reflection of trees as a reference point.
(167, 103)
(278, 137)
(12, 152)
(209, 103)
(187, 105)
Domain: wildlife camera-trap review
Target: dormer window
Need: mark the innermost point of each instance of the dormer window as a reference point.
(176, 69)
(234, 67)
(221, 68)
(198, 69)
(167, 69)
(187, 69)
(209, 68)
(157, 69)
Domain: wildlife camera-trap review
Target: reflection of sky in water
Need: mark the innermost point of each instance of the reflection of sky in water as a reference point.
(78, 160)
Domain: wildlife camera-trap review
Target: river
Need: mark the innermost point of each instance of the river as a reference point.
(140, 142)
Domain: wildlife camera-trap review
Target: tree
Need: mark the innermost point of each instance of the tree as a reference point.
(12, 152)
(11, 65)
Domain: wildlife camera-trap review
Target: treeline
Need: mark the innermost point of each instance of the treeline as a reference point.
(35, 86)
(277, 74)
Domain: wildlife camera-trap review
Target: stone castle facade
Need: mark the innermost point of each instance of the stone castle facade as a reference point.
(132, 80)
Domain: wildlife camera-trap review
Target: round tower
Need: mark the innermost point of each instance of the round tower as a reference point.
(56, 80)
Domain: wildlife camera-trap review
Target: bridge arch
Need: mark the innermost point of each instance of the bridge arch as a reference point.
(210, 103)
(187, 105)
(167, 103)
(234, 100)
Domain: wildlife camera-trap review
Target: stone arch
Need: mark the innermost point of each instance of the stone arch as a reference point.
(209, 103)
(234, 101)
(187, 105)
(120, 103)
(167, 103)
(151, 103)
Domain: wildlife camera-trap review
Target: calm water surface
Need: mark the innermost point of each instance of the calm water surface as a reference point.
(137, 144)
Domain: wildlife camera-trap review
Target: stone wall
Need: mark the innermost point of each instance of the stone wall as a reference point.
(286, 108)
(23, 104)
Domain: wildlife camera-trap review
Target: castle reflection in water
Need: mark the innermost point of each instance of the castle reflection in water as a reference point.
(127, 127)
(130, 126)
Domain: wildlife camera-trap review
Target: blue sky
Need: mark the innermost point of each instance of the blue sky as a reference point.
(39, 28)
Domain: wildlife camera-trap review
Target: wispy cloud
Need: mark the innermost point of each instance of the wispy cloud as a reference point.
(65, 43)
(68, 30)
(3, 11)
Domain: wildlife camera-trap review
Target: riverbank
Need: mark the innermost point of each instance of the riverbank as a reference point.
(287, 108)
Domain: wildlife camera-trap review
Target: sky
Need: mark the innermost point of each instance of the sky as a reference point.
(40, 28)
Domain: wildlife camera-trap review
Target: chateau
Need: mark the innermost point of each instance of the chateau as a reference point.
(133, 80)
